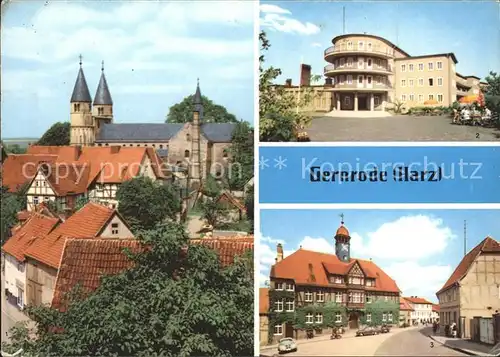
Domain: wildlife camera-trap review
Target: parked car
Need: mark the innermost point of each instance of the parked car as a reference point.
(287, 344)
(367, 331)
(385, 329)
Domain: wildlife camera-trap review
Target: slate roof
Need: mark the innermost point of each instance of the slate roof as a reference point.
(81, 90)
(162, 152)
(153, 132)
(102, 95)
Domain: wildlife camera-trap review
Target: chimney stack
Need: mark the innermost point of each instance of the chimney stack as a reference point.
(279, 253)
(305, 75)
(288, 83)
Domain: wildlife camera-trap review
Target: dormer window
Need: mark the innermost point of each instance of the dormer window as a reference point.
(370, 282)
(320, 296)
(308, 296)
(290, 287)
(278, 286)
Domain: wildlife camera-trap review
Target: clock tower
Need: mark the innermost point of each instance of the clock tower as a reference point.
(343, 242)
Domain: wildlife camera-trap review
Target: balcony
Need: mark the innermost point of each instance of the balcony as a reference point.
(343, 50)
(462, 82)
(355, 305)
(331, 70)
(462, 92)
(361, 87)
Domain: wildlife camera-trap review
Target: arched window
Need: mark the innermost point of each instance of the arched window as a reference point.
(186, 153)
(188, 137)
(76, 107)
(161, 146)
(225, 153)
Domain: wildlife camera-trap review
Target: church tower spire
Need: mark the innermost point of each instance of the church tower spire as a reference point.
(80, 111)
(195, 164)
(102, 110)
(343, 242)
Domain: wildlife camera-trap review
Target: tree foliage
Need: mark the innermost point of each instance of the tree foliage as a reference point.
(212, 210)
(14, 149)
(11, 204)
(241, 158)
(80, 202)
(280, 117)
(212, 113)
(169, 304)
(492, 93)
(144, 203)
(57, 135)
(249, 205)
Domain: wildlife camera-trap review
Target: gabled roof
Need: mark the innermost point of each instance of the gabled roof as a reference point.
(307, 267)
(36, 227)
(81, 90)
(20, 169)
(417, 300)
(487, 245)
(86, 261)
(263, 300)
(102, 95)
(88, 222)
(404, 305)
(66, 179)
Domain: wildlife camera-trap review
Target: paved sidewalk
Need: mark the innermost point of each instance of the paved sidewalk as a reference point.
(462, 345)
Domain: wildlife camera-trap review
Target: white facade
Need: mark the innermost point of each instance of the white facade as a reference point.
(421, 311)
(15, 278)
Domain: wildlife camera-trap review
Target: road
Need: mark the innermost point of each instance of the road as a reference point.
(399, 342)
(397, 128)
(414, 343)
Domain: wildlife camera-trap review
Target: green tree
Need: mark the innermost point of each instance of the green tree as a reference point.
(56, 135)
(212, 113)
(11, 204)
(80, 202)
(280, 118)
(212, 211)
(249, 205)
(173, 302)
(492, 94)
(241, 155)
(14, 149)
(144, 203)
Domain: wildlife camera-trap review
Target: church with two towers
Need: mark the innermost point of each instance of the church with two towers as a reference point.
(203, 146)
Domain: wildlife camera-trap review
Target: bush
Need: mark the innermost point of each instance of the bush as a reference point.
(427, 110)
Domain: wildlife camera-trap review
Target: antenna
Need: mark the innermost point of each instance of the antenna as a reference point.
(80, 59)
(342, 218)
(465, 238)
(343, 20)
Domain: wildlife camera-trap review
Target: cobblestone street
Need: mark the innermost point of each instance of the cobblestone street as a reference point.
(397, 128)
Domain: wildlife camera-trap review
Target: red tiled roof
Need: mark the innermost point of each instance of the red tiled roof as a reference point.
(85, 261)
(435, 308)
(20, 169)
(28, 234)
(227, 248)
(418, 300)
(67, 178)
(85, 223)
(404, 305)
(342, 230)
(487, 245)
(306, 267)
(263, 300)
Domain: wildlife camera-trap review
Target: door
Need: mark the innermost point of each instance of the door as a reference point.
(361, 63)
(289, 330)
(369, 82)
(369, 63)
(353, 320)
(486, 330)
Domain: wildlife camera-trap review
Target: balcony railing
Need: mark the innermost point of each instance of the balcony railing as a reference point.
(355, 85)
(356, 66)
(386, 52)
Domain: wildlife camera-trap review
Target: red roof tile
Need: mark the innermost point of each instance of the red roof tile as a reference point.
(26, 235)
(227, 248)
(229, 198)
(263, 300)
(487, 245)
(86, 261)
(435, 308)
(65, 178)
(342, 230)
(404, 305)
(306, 267)
(20, 169)
(417, 300)
(85, 223)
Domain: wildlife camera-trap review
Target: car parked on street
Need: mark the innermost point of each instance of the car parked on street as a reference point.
(385, 329)
(367, 331)
(287, 344)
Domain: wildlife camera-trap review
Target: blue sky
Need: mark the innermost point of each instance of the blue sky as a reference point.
(418, 248)
(153, 53)
(303, 30)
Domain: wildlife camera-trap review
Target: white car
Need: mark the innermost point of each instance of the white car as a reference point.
(287, 344)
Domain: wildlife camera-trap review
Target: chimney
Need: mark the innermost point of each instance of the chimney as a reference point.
(328, 82)
(288, 83)
(115, 149)
(279, 253)
(305, 75)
